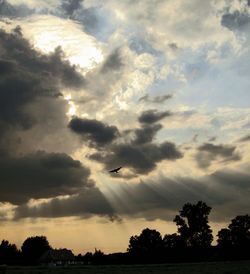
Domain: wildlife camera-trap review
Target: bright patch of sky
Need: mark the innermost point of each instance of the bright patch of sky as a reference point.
(49, 32)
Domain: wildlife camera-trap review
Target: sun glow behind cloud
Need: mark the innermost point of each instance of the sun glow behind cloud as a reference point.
(48, 32)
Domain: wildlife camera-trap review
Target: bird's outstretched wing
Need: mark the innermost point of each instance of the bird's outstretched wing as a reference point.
(116, 170)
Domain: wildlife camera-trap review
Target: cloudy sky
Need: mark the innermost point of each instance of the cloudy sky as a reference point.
(159, 87)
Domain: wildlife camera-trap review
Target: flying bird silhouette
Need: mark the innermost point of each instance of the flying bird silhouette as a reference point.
(116, 170)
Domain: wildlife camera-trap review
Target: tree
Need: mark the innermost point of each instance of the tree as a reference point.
(98, 257)
(193, 225)
(34, 247)
(148, 244)
(88, 258)
(224, 238)
(237, 234)
(173, 241)
(8, 253)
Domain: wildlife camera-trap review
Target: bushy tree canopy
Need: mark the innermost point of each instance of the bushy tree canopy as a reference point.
(148, 243)
(173, 241)
(193, 225)
(237, 234)
(8, 252)
(34, 247)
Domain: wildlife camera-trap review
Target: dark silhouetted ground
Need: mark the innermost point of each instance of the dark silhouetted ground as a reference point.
(237, 267)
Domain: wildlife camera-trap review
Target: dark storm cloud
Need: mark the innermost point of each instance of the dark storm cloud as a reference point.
(70, 6)
(28, 76)
(113, 62)
(232, 178)
(222, 150)
(138, 152)
(157, 99)
(90, 201)
(152, 116)
(31, 99)
(140, 158)
(245, 138)
(40, 175)
(6, 66)
(94, 131)
(235, 20)
(30, 90)
(209, 152)
(146, 134)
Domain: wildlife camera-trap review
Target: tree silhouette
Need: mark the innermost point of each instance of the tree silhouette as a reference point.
(98, 257)
(34, 247)
(88, 258)
(173, 241)
(237, 234)
(147, 245)
(224, 238)
(193, 225)
(8, 253)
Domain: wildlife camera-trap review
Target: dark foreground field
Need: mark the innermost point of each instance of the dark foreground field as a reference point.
(238, 267)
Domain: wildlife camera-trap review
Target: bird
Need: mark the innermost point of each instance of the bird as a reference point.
(116, 170)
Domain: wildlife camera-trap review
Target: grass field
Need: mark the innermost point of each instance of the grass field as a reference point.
(238, 267)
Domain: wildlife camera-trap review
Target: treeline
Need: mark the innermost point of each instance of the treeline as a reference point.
(31, 251)
(191, 242)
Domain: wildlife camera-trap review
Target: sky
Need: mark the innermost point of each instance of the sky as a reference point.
(158, 87)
